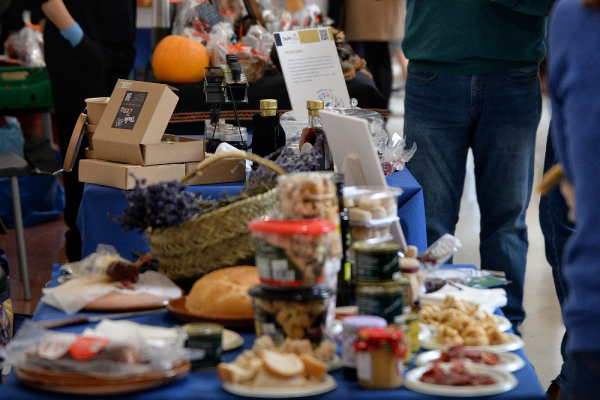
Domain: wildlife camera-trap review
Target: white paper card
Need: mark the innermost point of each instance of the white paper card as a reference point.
(311, 68)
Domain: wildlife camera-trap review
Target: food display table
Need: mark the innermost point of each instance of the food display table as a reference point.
(205, 385)
(100, 202)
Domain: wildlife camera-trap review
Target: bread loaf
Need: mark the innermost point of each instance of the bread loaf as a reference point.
(224, 293)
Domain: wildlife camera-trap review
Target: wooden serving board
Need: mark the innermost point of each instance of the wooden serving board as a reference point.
(83, 384)
(115, 301)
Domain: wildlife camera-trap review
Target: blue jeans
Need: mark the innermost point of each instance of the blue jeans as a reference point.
(583, 371)
(556, 229)
(496, 115)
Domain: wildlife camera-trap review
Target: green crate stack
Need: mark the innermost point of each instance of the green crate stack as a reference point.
(23, 88)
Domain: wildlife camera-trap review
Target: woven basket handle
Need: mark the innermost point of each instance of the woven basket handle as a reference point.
(234, 154)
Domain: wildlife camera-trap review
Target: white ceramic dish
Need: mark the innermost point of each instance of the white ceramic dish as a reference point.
(514, 343)
(327, 385)
(509, 362)
(505, 381)
(231, 340)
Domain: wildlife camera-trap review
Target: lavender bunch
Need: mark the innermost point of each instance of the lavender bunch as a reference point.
(161, 205)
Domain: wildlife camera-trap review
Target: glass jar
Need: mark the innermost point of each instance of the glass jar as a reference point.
(207, 337)
(350, 326)
(379, 357)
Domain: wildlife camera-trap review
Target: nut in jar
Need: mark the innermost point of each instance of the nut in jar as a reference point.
(307, 195)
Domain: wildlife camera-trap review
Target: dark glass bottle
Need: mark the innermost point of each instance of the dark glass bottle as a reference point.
(268, 134)
(314, 134)
(344, 276)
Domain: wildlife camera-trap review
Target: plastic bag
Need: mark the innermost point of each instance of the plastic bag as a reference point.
(95, 265)
(221, 32)
(260, 39)
(394, 155)
(34, 347)
(254, 64)
(27, 45)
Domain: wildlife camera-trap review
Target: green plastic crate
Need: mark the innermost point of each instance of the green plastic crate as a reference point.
(23, 88)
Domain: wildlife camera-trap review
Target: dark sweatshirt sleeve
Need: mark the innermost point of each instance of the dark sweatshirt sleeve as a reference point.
(530, 7)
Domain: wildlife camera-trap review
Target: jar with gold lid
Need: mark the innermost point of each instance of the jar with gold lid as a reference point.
(379, 357)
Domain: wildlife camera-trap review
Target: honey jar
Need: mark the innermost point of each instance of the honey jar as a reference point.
(379, 357)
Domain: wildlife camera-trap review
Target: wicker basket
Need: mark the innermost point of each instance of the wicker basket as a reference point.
(216, 239)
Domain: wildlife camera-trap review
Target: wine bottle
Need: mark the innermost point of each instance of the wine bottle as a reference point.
(314, 134)
(268, 134)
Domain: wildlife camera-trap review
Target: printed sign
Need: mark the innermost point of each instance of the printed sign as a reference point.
(311, 68)
(130, 110)
(209, 13)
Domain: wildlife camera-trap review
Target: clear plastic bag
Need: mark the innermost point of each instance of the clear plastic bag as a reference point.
(254, 64)
(95, 265)
(34, 347)
(260, 39)
(27, 45)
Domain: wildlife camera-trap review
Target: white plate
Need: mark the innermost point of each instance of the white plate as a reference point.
(514, 343)
(503, 324)
(335, 363)
(505, 381)
(424, 332)
(231, 340)
(327, 385)
(509, 362)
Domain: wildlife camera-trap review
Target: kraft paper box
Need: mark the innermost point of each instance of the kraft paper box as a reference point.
(233, 170)
(133, 125)
(118, 175)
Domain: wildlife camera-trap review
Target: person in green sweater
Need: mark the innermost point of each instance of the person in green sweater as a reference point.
(473, 82)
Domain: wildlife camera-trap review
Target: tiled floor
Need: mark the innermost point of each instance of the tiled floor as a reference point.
(542, 330)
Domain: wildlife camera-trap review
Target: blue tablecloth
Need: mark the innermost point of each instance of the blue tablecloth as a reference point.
(100, 202)
(205, 385)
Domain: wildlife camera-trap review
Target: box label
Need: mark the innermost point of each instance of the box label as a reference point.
(130, 110)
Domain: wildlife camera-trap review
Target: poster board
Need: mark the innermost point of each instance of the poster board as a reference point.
(355, 156)
(311, 68)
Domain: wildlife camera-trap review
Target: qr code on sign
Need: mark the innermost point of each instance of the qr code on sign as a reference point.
(324, 34)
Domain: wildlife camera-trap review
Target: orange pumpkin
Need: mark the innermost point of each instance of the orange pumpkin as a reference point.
(179, 60)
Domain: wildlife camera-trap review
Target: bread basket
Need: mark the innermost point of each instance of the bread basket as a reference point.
(216, 239)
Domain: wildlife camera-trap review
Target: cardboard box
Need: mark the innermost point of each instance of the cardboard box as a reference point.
(118, 175)
(224, 171)
(133, 125)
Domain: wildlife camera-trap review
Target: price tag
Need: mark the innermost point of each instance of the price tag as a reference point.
(56, 346)
(210, 14)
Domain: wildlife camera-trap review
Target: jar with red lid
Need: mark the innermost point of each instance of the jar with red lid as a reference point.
(291, 253)
(379, 357)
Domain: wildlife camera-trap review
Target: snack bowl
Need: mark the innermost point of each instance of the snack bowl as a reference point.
(371, 229)
(297, 313)
(366, 203)
(291, 253)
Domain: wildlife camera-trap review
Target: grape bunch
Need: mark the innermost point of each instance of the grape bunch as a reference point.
(160, 205)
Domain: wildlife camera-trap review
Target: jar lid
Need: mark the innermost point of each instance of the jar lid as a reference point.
(385, 247)
(300, 295)
(315, 104)
(303, 227)
(369, 339)
(268, 104)
(202, 329)
(354, 324)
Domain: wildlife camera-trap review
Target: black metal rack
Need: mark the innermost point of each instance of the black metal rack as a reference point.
(224, 84)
